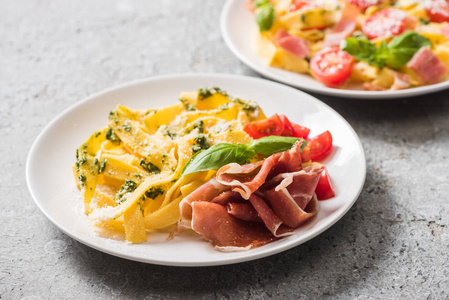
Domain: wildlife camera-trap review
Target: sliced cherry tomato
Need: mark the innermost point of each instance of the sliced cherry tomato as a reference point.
(320, 145)
(438, 11)
(305, 154)
(300, 131)
(387, 22)
(298, 4)
(331, 66)
(324, 189)
(364, 4)
(270, 126)
(288, 129)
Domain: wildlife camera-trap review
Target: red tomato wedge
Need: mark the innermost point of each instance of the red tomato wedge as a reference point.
(324, 188)
(331, 66)
(438, 11)
(320, 145)
(387, 22)
(288, 129)
(364, 4)
(270, 126)
(300, 131)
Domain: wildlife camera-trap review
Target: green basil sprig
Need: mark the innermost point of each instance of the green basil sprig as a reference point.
(222, 154)
(264, 14)
(395, 54)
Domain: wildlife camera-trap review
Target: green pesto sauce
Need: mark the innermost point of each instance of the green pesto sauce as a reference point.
(205, 93)
(200, 143)
(149, 167)
(153, 192)
(110, 135)
(127, 127)
(187, 105)
(102, 166)
(128, 187)
(82, 179)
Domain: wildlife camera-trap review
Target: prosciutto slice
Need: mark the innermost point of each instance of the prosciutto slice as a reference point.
(226, 232)
(429, 67)
(250, 205)
(344, 27)
(290, 193)
(291, 43)
(206, 192)
(243, 211)
(249, 178)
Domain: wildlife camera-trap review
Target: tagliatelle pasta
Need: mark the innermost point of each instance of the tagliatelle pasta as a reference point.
(130, 172)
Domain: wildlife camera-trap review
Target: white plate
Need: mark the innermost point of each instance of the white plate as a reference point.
(51, 183)
(239, 28)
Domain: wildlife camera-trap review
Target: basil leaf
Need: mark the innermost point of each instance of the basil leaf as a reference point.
(243, 154)
(395, 55)
(217, 156)
(409, 39)
(222, 154)
(403, 47)
(259, 3)
(361, 49)
(265, 16)
(274, 144)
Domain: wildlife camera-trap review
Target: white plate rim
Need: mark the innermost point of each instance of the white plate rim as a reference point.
(309, 235)
(270, 72)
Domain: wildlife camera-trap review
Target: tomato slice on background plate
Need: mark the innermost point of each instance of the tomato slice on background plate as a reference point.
(298, 4)
(320, 145)
(270, 126)
(331, 66)
(437, 11)
(387, 22)
(364, 4)
(324, 188)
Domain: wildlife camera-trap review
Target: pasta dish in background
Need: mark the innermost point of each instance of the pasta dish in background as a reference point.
(370, 44)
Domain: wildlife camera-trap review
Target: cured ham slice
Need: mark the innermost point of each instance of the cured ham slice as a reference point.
(340, 32)
(429, 67)
(206, 192)
(344, 27)
(249, 178)
(227, 197)
(289, 195)
(401, 81)
(271, 220)
(291, 43)
(226, 232)
(250, 205)
(243, 211)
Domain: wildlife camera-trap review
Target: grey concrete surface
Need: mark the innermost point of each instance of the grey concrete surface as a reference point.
(393, 243)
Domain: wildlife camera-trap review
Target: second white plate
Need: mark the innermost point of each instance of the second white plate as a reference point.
(51, 183)
(239, 28)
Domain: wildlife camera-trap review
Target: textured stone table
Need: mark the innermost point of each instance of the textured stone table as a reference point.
(393, 243)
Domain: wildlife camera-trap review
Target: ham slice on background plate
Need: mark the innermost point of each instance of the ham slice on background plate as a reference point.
(294, 44)
(429, 67)
(247, 206)
(344, 27)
